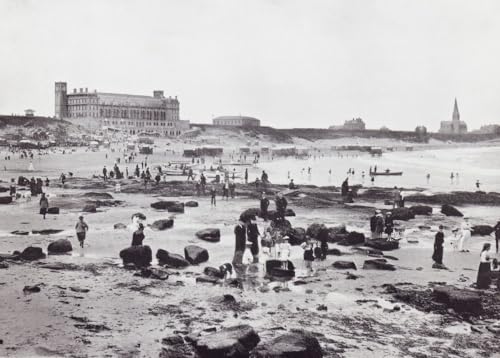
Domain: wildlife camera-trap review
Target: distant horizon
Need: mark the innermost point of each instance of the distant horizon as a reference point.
(289, 63)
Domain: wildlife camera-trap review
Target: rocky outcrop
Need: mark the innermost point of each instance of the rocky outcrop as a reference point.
(482, 230)
(297, 344)
(314, 229)
(353, 238)
(89, 208)
(5, 199)
(162, 224)
(334, 252)
(403, 214)
(449, 210)
(60, 246)
(140, 256)
(236, 341)
(421, 210)
(210, 235)
(177, 208)
(98, 195)
(32, 253)
(378, 264)
(195, 255)
(457, 198)
(46, 231)
(382, 244)
(344, 265)
(171, 260)
(164, 205)
(191, 204)
(461, 300)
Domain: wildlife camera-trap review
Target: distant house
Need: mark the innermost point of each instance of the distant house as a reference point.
(455, 126)
(29, 112)
(355, 124)
(488, 129)
(421, 130)
(237, 121)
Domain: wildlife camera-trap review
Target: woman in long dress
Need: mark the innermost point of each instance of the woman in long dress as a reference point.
(465, 236)
(484, 272)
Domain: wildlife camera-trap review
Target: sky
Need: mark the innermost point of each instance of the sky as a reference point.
(290, 63)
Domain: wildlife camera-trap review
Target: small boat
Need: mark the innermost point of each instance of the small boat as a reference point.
(173, 172)
(386, 172)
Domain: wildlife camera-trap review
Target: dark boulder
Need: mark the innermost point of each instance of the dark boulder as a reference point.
(275, 268)
(297, 344)
(46, 231)
(60, 246)
(482, 230)
(210, 235)
(213, 272)
(314, 229)
(162, 224)
(403, 214)
(98, 195)
(344, 265)
(195, 255)
(353, 238)
(89, 208)
(236, 341)
(382, 244)
(119, 226)
(177, 208)
(337, 229)
(421, 210)
(20, 232)
(449, 210)
(378, 264)
(191, 204)
(32, 253)
(172, 260)
(5, 199)
(4, 265)
(297, 236)
(141, 256)
(164, 205)
(461, 300)
(207, 279)
(53, 210)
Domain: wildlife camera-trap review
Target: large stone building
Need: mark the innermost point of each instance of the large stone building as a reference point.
(131, 114)
(239, 121)
(355, 124)
(455, 126)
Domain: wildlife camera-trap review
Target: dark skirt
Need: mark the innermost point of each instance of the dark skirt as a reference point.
(437, 256)
(484, 275)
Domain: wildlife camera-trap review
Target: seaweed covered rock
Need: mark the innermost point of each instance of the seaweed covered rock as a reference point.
(140, 256)
(195, 255)
(461, 300)
(297, 344)
(449, 210)
(378, 264)
(421, 210)
(344, 265)
(382, 244)
(60, 246)
(162, 224)
(482, 230)
(353, 238)
(236, 341)
(209, 234)
(172, 260)
(32, 253)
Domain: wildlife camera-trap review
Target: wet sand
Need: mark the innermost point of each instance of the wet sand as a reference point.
(136, 313)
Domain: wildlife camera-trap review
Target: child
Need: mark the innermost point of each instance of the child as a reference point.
(284, 248)
(212, 195)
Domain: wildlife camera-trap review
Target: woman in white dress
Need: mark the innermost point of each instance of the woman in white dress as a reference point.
(465, 236)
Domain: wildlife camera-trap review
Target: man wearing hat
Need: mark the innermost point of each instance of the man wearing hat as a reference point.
(240, 234)
(81, 228)
(373, 224)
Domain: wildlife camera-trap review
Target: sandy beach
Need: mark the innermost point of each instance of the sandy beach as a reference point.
(89, 305)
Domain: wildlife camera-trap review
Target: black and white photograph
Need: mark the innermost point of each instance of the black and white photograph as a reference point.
(249, 178)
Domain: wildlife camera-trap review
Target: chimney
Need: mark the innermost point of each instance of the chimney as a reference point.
(86, 90)
(81, 90)
(74, 90)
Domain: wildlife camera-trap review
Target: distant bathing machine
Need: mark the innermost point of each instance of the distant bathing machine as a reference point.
(455, 126)
(127, 113)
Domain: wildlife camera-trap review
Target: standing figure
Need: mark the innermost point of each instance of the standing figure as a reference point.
(138, 236)
(44, 205)
(497, 234)
(437, 255)
(389, 225)
(281, 205)
(246, 175)
(240, 233)
(465, 236)
(308, 248)
(105, 173)
(264, 206)
(81, 228)
(379, 227)
(253, 237)
(483, 274)
(213, 193)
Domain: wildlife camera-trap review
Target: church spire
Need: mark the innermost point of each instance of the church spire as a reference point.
(456, 115)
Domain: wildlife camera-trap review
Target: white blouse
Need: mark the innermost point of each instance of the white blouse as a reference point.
(485, 256)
